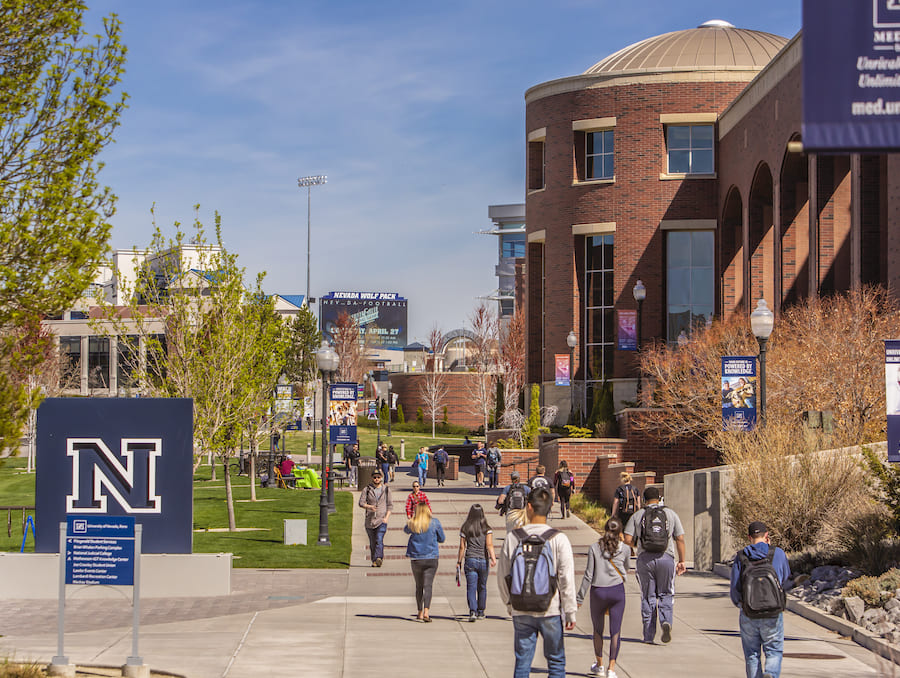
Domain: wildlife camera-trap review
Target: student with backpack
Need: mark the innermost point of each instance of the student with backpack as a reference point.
(493, 465)
(441, 459)
(536, 577)
(758, 577)
(563, 483)
(512, 501)
(657, 533)
(627, 500)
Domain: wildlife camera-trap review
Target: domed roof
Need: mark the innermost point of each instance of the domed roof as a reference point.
(714, 45)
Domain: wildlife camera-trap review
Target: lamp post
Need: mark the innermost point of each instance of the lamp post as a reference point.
(572, 342)
(309, 182)
(327, 362)
(389, 403)
(640, 293)
(761, 322)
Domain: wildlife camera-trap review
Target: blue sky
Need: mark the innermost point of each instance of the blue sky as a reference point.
(414, 110)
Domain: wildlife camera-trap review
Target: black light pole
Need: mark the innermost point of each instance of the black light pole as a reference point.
(327, 362)
(640, 293)
(389, 384)
(762, 320)
(572, 342)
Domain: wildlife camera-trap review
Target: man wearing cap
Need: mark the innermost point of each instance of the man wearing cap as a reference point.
(376, 500)
(764, 634)
(512, 501)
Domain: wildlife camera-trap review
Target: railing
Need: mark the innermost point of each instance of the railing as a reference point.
(9, 511)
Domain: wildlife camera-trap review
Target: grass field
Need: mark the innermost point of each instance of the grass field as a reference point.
(259, 543)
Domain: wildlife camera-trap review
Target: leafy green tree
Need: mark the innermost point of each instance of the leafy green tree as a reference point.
(533, 422)
(400, 418)
(58, 110)
(300, 358)
(420, 416)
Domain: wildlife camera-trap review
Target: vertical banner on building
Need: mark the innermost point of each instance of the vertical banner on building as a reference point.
(738, 392)
(342, 413)
(562, 369)
(851, 75)
(892, 396)
(627, 330)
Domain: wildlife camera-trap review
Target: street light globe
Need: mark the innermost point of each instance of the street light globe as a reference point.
(572, 339)
(762, 320)
(326, 358)
(639, 291)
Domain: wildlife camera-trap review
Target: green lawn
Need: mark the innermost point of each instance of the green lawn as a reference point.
(260, 547)
(295, 441)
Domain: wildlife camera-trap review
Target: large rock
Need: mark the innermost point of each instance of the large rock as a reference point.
(892, 637)
(883, 628)
(854, 607)
(892, 604)
(873, 616)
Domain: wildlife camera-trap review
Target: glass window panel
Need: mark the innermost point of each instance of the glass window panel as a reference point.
(702, 286)
(594, 145)
(608, 252)
(594, 257)
(679, 321)
(703, 245)
(608, 166)
(609, 324)
(702, 136)
(595, 362)
(608, 141)
(591, 171)
(595, 290)
(679, 249)
(595, 326)
(679, 162)
(128, 359)
(98, 362)
(679, 286)
(678, 136)
(701, 316)
(608, 289)
(609, 360)
(702, 162)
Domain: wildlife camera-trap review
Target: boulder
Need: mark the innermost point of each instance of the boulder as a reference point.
(883, 628)
(891, 604)
(854, 607)
(872, 616)
(892, 637)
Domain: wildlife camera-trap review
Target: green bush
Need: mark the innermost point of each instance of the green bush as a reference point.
(589, 511)
(885, 482)
(400, 418)
(874, 590)
(533, 423)
(420, 416)
(507, 443)
(577, 432)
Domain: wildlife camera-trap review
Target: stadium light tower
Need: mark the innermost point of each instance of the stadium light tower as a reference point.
(309, 182)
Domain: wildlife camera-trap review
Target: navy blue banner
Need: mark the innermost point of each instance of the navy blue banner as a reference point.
(892, 396)
(851, 75)
(342, 413)
(739, 393)
(112, 457)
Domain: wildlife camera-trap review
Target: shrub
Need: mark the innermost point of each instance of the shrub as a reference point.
(589, 511)
(577, 432)
(885, 482)
(873, 590)
(400, 418)
(14, 669)
(420, 416)
(533, 422)
(508, 443)
(779, 479)
(864, 541)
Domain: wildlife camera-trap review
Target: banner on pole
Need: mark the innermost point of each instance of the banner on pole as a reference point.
(739, 392)
(342, 413)
(892, 396)
(562, 369)
(627, 330)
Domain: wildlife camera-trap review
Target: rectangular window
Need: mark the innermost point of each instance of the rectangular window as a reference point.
(599, 311)
(98, 362)
(513, 245)
(69, 362)
(598, 155)
(690, 149)
(128, 360)
(690, 281)
(536, 165)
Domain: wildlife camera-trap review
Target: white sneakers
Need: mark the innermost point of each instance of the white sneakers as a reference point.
(598, 670)
(612, 674)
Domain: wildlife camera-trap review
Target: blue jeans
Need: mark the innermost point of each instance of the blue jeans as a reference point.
(422, 473)
(656, 575)
(386, 471)
(376, 541)
(492, 472)
(765, 634)
(476, 570)
(526, 630)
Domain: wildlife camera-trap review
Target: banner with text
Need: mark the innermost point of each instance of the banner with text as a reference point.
(892, 396)
(562, 369)
(342, 413)
(851, 75)
(739, 392)
(628, 330)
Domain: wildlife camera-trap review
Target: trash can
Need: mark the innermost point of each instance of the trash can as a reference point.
(364, 473)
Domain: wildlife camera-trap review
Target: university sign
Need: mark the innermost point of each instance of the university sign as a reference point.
(116, 457)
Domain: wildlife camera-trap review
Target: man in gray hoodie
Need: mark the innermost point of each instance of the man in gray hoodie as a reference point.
(376, 500)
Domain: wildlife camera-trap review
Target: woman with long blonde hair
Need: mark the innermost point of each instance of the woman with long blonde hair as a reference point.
(425, 533)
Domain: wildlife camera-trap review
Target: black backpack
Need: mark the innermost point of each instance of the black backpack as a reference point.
(532, 578)
(517, 496)
(761, 594)
(627, 502)
(654, 529)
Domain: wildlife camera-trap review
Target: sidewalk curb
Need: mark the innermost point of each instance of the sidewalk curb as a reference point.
(858, 634)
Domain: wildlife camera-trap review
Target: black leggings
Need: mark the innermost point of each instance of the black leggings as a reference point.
(611, 598)
(564, 496)
(423, 570)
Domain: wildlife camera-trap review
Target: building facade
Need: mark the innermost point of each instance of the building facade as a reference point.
(509, 227)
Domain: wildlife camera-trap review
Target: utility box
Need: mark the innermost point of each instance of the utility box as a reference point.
(294, 531)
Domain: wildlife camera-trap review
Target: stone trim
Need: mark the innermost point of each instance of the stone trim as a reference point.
(538, 236)
(688, 225)
(594, 229)
(682, 118)
(593, 124)
(539, 134)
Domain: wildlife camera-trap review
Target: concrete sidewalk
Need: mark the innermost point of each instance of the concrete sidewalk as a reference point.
(364, 620)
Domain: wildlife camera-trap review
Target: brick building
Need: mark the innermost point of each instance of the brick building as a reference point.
(678, 161)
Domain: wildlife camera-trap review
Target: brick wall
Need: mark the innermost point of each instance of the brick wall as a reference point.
(458, 401)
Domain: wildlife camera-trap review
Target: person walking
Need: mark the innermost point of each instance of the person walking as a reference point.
(627, 499)
(563, 482)
(479, 457)
(512, 502)
(393, 460)
(476, 550)
(517, 591)
(353, 463)
(415, 498)
(758, 576)
(494, 458)
(441, 459)
(607, 567)
(425, 533)
(376, 499)
(657, 533)
(421, 464)
(382, 461)
(539, 479)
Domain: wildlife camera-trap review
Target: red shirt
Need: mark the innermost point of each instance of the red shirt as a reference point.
(414, 499)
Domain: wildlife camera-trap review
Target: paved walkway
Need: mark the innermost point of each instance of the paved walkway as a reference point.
(347, 624)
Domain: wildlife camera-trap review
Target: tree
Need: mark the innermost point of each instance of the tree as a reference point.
(480, 388)
(300, 358)
(532, 423)
(352, 346)
(513, 351)
(58, 111)
(432, 389)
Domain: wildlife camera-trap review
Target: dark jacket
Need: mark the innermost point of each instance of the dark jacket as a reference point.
(758, 551)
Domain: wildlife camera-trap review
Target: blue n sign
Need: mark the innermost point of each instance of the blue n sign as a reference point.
(116, 457)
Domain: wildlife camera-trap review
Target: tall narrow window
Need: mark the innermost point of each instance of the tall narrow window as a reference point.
(690, 149)
(536, 165)
(128, 360)
(69, 362)
(690, 262)
(599, 310)
(598, 155)
(98, 362)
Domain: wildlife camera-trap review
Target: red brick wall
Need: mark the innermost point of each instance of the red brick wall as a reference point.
(458, 401)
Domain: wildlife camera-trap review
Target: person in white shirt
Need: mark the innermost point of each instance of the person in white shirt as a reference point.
(562, 609)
